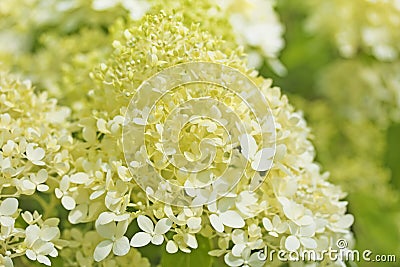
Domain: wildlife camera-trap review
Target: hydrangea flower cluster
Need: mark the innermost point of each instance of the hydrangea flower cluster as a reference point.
(34, 31)
(257, 27)
(286, 212)
(84, 30)
(368, 25)
(75, 163)
(35, 145)
(33, 141)
(255, 23)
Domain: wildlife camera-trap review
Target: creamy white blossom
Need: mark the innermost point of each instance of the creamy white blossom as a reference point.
(39, 245)
(115, 240)
(8, 207)
(151, 233)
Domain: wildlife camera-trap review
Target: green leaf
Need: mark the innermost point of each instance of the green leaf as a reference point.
(197, 258)
(375, 225)
(392, 157)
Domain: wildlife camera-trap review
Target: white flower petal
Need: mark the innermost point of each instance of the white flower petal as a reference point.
(274, 234)
(9, 206)
(162, 226)
(68, 202)
(233, 261)
(172, 247)
(191, 241)
(78, 214)
(238, 249)
(51, 222)
(58, 193)
(30, 254)
(44, 259)
(121, 246)
(64, 183)
(32, 234)
(79, 178)
(102, 250)
(106, 230)
(248, 146)
(212, 206)
(54, 253)
(105, 217)
(189, 189)
(34, 154)
(42, 187)
(194, 222)
(292, 243)
(139, 121)
(140, 239)
(49, 233)
(43, 248)
(305, 220)
(255, 261)
(122, 217)
(262, 159)
(267, 224)
(346, 221)
(308, 242)
(7, 221)
(239, 236)
(101, 123)
(123, 173)
(188, 212)
(96, 194)
(28, 185)
(27, 216)
(308, 230)
(232, 219)
(157, 239)
(200, 198)
(38, 162)
(216, 223)
(145, 224)
(281, 228)
(40, 177)
(121, 228)
(8, 262)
